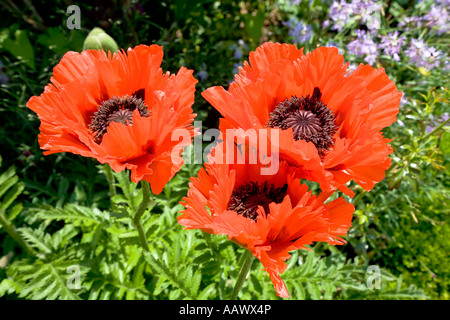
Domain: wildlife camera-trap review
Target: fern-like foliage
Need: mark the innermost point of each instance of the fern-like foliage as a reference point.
(79, 252)
(44, 280)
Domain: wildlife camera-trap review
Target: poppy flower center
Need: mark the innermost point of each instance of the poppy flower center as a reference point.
(116, 109)
(246, 198)
(309, 118)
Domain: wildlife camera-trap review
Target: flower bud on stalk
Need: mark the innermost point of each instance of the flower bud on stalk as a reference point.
(99, 39)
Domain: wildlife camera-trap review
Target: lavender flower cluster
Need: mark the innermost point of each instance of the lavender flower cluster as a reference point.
(298, 31)
(366, 11)
(422, 55)
(437, 18)
(239, 49)
(363, 46)
(342, 13)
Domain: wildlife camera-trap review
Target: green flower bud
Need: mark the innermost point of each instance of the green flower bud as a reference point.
(395, 181)
(99, 39)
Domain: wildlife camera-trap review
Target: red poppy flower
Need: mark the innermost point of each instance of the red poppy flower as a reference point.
(319, 106)
(269, 215)
(119, 109)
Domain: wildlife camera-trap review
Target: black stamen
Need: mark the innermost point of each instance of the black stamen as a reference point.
(116, 109)
(309, 118)
(246, 198)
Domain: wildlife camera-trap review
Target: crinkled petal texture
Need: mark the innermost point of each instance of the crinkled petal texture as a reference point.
(298, 220)
(363, 102)
(81, 82)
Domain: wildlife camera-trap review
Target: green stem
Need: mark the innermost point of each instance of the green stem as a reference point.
(146, 199)
(358, 197)
(434, 131)
(247, 261)
(112, 188)
(11, 230)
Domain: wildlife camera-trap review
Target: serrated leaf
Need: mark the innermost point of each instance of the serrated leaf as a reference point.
(313, 290)
(203, 258)
(300, 290)
(73, 212)
(7, 179)
(195, 283)
(11, 195)
(207, 292)
(38, 239)
(9, 286)
(15, 211)
(308, 266)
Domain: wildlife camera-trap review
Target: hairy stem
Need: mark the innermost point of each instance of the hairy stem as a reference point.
(112, 189)
(11, 230)
(247, 261)
(146, 199)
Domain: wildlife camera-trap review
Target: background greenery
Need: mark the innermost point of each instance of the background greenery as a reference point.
(56, 210)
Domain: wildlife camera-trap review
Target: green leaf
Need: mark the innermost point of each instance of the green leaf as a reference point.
(207, 292)
(19, 46)
(9, 286)
(61, 41)
(38, 239)
(44, 280)
(74, 212)
(12, 195)
(15, 211)
(254, 24)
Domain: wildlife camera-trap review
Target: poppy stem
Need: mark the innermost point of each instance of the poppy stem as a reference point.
(112, 189)
(146, 199)
(11, 230)
(247, 261)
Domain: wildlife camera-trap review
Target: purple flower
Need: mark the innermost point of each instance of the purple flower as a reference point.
(363, 45)
(139, 7)
(439, 2)
(370, 13)
(352, 67)
(340, 12)
(203, 74)
(297, 2)
(239, 49)
(429, 129)
(236, 67)
(437, 18)
(422, 55)
(298, 31)
(3, 77)
(392, 44)
(409, 23)
(445, 64)
(435, 121)
(404, 100)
